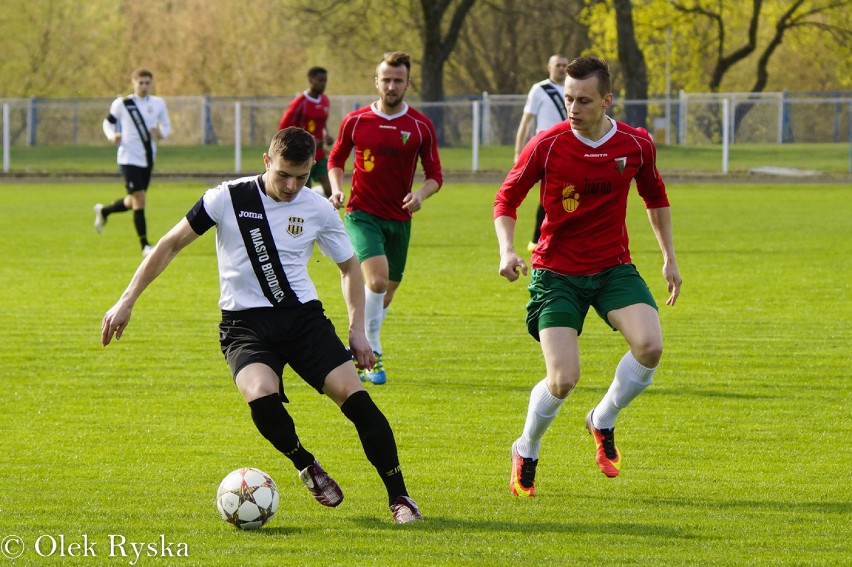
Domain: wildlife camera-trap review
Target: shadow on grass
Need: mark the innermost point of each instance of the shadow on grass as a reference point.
(441, 523)
(273, 531)
(690, 393)
(836, 507)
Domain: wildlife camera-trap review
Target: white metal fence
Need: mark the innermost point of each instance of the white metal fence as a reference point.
(472, 121)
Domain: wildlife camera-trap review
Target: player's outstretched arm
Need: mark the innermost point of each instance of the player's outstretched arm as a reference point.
(116, 319)
(661, 222)
(511, 265)
(352, 283)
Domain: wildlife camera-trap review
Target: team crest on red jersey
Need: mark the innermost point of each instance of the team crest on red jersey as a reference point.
(620, 164)
(295, 226)
(405, 136)
(570, 199)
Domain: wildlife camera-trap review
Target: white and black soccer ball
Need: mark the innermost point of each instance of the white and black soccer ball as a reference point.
(247, 498)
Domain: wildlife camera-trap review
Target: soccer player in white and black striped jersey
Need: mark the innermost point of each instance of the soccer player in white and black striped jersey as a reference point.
(134, 124)
(266, 226)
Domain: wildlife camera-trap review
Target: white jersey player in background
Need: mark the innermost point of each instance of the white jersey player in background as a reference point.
(135, 123)
(546, 105)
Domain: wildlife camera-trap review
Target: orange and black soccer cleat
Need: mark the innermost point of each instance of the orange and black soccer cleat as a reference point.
(607, 455)
(522, 478)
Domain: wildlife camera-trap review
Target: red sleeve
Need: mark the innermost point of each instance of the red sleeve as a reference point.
(293, 115)
(429, 156)
(521, 178)
(649, 184)
(343, 144)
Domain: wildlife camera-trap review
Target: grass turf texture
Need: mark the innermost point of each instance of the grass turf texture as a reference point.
(828, 158)
(737, 454)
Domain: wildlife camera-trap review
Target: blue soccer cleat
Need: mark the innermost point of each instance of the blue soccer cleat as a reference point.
(377, 374)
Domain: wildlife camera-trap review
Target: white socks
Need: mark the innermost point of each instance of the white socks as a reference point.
(374, 314)
(541, 412)
(631, 378)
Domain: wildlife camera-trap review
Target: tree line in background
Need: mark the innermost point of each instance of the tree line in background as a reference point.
(67, 48)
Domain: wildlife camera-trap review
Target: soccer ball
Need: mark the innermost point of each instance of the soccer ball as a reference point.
(247, 498)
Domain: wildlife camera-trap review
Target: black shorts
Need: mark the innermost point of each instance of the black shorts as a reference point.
(301, 336)
(136, 178)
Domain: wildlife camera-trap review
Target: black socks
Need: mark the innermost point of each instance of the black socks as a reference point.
(117, 207)
(275, 424)
(138, 219)
(378, 441)
(141, 227)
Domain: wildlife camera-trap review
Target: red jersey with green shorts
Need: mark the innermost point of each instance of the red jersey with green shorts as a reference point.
(584, 187)
(310, 114)
(386, 152)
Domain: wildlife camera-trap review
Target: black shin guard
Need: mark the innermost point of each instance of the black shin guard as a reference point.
(141, 226)
(377, 438)
(539, 218)
(275, 424)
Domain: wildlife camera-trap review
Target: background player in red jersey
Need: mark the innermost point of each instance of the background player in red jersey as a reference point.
(388, 137)
(309, 111)
(585, 166)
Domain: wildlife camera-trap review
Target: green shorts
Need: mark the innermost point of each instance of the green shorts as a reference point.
(564, 301)
(375, 236)
(318, 170)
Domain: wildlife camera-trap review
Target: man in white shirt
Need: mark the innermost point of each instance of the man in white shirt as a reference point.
(134, 124)
(546, 105)
(266, 227)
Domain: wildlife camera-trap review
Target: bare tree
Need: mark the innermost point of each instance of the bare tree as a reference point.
(437, 44)
(632, 63)
(724, 62)
(826, 16)
(496, 52)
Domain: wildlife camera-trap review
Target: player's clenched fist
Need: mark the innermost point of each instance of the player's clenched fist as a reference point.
(512, 266)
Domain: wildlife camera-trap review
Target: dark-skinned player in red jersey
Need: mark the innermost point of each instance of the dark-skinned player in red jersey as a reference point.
(309, 111)
(585, 166)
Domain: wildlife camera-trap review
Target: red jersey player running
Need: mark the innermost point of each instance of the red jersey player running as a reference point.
(309, 111)
(389, 137)
(585, 166)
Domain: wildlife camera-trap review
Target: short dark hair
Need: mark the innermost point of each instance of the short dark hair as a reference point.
(314, 71)
(585, 67)
(293, 144)
(397, 59)
(141, 72)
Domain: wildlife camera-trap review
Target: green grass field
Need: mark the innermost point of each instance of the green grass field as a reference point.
(831, 159)
(738, 454)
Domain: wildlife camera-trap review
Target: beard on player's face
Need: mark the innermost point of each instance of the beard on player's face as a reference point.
(392, 100)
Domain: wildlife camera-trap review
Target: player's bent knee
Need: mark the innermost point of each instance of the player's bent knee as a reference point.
(256, 391)
(377, 284)
(562, 384)
(341, 383)
(256, 381)
(648, 354)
